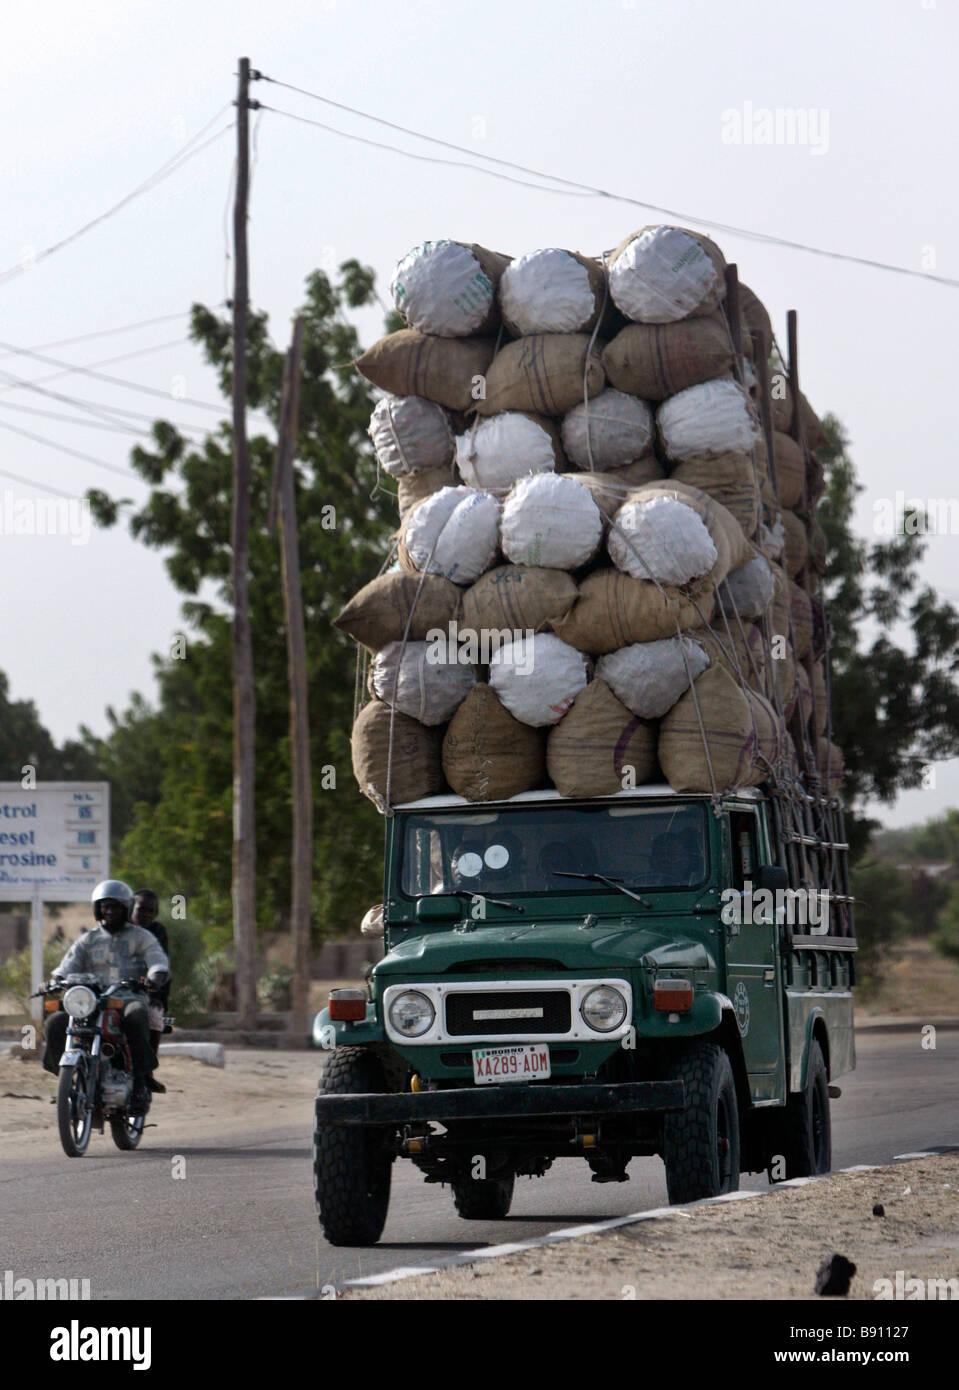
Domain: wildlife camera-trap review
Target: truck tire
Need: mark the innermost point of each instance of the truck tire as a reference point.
(701, 1143)
(806, 1130)
(486, 1199)
(351, 1164)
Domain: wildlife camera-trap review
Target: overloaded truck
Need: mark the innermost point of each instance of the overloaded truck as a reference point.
(594, 709)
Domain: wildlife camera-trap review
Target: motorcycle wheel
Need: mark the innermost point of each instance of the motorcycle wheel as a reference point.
(74, 1110)
(127, 1130)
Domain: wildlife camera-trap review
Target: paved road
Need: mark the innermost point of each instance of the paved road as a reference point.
(242, 1225)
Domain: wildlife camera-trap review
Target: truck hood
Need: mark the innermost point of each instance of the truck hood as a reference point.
(568, 945)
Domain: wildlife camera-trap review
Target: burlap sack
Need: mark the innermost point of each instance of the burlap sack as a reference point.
(654, 361)
(598, 748)
(549, 520)
(820, 700)
(613, 610)
(804, 698)
(410, 677)
(448, 371)
(801, 611)
(415, 769)
(728, 724)
(732, 547)
(542, 374)
(608, 432)
(782, 409)
(797, 544)
(755, 313)
(449, 288)
(728, 478)
(784, 674)
(748, 591)
(743, 653)
(715, 417)
(790, 469)
(411, 434)
(538, 678)
(660, 274)
(518, 598)
(610, 490)
(552, 291)
(487, 754)
(454, 532)
(781, 610)
(414, 488)
(817, 546)
(379, 613)
(831, 766)
(495, 453)
(649, 677)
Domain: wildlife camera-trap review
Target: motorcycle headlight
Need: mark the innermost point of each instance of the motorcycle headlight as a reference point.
(604, 1009)
(79, 1001)
(411, 1013)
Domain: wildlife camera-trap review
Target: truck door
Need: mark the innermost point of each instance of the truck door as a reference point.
(752, 957)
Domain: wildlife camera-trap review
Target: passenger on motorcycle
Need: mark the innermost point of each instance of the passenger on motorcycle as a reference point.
(115, 950)
(146, 905)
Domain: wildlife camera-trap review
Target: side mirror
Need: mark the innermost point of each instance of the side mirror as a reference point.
(772, 876)
(441, 908)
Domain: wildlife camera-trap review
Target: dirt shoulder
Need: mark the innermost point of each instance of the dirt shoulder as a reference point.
(764, 1247)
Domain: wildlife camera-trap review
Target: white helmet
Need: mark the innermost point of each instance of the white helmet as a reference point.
(112, 888)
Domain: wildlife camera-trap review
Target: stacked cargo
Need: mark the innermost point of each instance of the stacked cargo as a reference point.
(601, 576)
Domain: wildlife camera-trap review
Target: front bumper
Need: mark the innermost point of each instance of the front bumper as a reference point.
(500, 1102)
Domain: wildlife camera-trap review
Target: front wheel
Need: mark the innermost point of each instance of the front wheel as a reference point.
(702, 1146)
(352, 1165)
(127, 1130)
(74, 1110)
(806, 1132)
(483, 1199)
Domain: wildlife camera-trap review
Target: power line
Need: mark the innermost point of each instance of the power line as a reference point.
(41, 487)
(74, 453)
(183, 156)
(105, 332)
(101, 362)
(117, 428)
(112, 380)
(92, 407)
(572, 185)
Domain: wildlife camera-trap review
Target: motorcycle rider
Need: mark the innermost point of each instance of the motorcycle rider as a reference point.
(146, 905)
(113, 950)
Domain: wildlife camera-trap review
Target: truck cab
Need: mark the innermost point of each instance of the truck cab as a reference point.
(606, 978)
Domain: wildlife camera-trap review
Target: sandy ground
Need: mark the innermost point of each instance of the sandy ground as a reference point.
(254, 1089)
(766, 1247)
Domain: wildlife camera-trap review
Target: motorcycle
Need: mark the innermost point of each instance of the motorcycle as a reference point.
(96, 1069)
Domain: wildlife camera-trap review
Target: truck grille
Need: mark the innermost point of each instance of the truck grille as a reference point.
(554, 1018)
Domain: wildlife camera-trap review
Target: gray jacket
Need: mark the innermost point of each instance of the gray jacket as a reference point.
(124, 955)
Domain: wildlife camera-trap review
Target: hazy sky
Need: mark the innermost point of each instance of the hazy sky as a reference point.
(660, 101)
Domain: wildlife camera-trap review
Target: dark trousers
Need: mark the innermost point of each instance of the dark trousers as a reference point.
(136, 1026)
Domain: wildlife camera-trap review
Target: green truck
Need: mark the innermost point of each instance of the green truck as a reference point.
(606, 978)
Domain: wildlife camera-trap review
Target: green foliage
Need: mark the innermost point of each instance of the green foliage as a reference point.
(15, 974)
(885, 913)
(174, 766)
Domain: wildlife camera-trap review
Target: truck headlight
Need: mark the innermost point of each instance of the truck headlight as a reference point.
(79, 1001)
(604, 1009)
(411, 1013)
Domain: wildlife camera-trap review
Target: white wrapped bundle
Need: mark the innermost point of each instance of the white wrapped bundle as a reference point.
(551, 521)
(448, 289)
(661, 539)
(619, 427)
(664, 273)
(454, 533)
(416, 684)
(411, 434)
(748, 590)
(500, 449)
(712, 418)
(551, 291)
(649, 677)
(538, 678)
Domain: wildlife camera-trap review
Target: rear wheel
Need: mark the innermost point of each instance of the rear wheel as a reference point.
(484, 1199)
(806, 1133)
(74, 1110)
(127, 1130)
(702, 1146)
(351, 1164)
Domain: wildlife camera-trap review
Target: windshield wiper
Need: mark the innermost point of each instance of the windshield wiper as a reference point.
(612, 882)
(497, 902)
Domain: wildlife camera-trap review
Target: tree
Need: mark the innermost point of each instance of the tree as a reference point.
(180, 834)
(895, 703)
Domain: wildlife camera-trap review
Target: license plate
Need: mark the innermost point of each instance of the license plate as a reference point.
(520, 1062)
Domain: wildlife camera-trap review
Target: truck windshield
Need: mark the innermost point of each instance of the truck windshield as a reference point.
(506, 852)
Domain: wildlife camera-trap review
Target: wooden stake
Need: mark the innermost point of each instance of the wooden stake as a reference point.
(302, 867)
(244, 708)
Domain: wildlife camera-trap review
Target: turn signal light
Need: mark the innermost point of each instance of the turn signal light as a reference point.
(51, 1006)
(114, 1003)
(673, 996)
(347, 1005)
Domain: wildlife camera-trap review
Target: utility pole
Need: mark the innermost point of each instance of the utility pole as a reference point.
(283, 494)
(244, 709)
